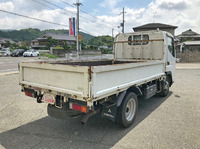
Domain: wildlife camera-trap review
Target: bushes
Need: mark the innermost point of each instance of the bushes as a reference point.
(48, 55)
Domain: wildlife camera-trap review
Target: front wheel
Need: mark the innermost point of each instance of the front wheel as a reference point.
(126, 113)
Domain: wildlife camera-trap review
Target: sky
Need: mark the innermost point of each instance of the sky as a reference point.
(100, 17)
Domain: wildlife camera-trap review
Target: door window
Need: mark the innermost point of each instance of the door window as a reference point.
(171, 45)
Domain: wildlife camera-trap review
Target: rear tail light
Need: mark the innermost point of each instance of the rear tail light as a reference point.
(77, 107)
(29, 92)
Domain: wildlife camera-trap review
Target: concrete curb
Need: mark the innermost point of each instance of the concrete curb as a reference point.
(187, 68)
(9, 73)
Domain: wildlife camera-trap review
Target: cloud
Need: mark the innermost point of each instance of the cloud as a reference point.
(7, 6)
(172, 5)
(179, 13)
(109, 3)
(182, 13)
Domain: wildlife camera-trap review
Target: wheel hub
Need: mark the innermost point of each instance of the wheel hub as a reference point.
(130, 109)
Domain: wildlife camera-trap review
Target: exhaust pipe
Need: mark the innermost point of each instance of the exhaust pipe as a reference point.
(88, 115)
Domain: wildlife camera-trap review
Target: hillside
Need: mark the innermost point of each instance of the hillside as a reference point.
(31, 33)
(102, 41)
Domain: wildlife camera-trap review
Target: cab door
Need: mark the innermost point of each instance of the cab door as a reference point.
(170, 57)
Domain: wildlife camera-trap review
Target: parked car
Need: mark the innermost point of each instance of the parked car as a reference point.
(31, 53)
(5, 52)
(17, 52)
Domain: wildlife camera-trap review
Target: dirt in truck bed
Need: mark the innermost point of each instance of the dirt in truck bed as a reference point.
(96, 63)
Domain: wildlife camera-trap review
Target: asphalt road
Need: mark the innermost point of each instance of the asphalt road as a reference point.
(10, 64)
(165, 123)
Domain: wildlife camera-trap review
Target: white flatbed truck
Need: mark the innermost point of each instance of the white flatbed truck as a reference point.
(143, 65)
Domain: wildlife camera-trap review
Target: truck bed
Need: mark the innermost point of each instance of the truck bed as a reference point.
(88, 80)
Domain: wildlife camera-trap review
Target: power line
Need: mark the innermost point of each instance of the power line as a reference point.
(90, 14)
(58, 6)
(86, 20)
(96, 24)
(55, 5)
(42, 4)
(96, 17)
(59, 10)
(67, 3)
(33, 18)
(84, 31)
(48, 7)
(68, 11)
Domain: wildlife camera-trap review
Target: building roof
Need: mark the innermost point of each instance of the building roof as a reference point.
(38, 46)
(192, 43)
(189, 33)
(3, 40)
(155, 26)
(60, 36)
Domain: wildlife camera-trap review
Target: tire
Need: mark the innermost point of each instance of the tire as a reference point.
(169, 80)
(126, 112)
(165, 89)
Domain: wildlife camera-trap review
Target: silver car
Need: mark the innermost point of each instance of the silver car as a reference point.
(5, 52)
(31, 53)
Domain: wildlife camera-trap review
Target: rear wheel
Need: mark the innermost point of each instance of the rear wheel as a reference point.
(126, 113)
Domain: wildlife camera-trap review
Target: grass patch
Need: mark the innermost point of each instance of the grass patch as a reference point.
(48, 55)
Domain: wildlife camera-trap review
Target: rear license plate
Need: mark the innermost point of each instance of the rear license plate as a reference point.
(48, 98)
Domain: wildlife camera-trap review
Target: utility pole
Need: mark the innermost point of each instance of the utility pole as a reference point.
(112, 32)
(122, 24)
(77, 25)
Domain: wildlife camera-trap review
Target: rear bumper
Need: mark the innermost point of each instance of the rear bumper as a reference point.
(61, 113)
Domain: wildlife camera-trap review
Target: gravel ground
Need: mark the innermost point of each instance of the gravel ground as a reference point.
(171, 122)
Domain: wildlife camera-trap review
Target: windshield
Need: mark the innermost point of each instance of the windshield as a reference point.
(17, 50)
(4, 49)
(29, 50)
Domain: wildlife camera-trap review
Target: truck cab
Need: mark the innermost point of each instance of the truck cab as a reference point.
(152, 45)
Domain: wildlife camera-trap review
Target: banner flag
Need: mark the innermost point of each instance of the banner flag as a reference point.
(72, 27)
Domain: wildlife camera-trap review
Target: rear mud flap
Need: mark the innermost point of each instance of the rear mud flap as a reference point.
(109, 111)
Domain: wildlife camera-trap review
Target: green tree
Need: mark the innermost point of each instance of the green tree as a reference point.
(102, 41)
(7, 44)
(65, 45)
(51, 42)
(73, 46)
(23, 47)
(83, 45)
